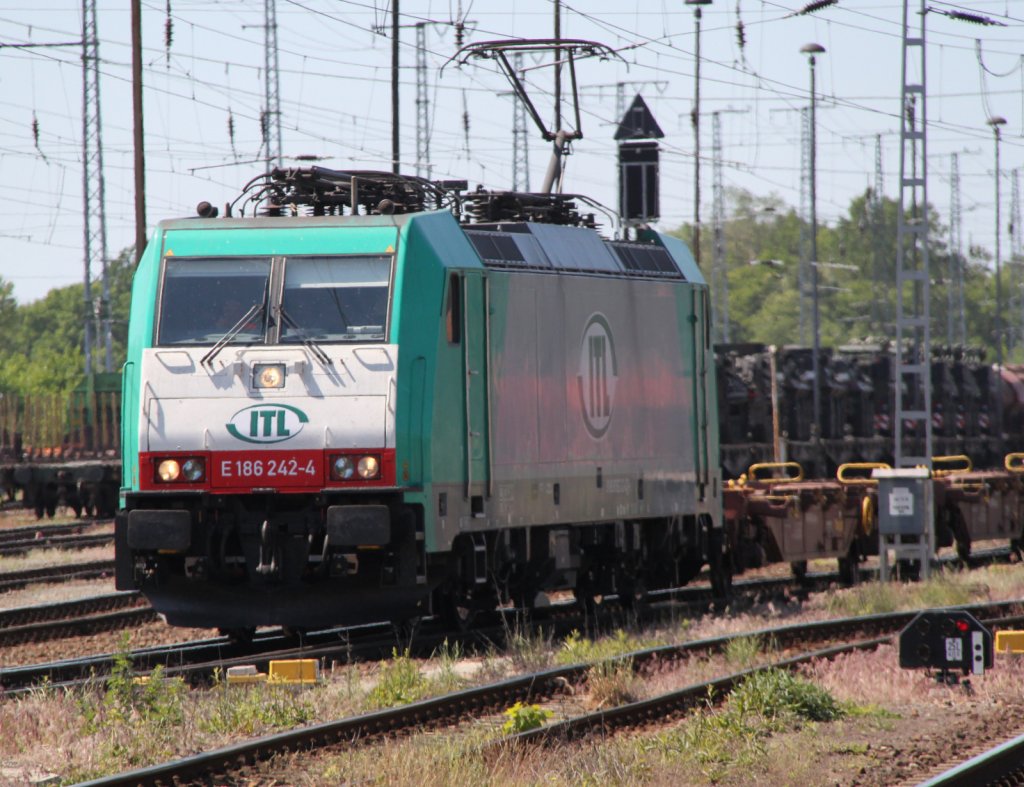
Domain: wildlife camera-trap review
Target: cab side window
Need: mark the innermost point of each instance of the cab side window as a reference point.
(453, 310)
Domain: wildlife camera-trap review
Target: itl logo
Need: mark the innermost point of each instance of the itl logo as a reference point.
(267, 423)
(598, 373)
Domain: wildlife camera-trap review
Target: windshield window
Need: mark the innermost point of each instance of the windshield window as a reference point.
(203, 299)
(335, 298)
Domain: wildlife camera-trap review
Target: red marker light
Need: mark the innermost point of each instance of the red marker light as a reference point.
(963, 626)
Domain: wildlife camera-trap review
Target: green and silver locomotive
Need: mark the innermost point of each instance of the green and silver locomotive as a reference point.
(408, 400)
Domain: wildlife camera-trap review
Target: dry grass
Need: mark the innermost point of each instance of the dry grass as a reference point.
(39, 558)
(58, 732)
(56, 592)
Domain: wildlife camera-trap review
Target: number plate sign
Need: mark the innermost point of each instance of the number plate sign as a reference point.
(271, 469)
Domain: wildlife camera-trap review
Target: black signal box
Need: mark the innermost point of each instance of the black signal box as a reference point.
(946, 640)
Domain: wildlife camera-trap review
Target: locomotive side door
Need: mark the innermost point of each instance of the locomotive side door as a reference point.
(476, 372)
(701, 351)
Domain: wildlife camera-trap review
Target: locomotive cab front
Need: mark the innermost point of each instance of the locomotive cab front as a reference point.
(262, 459)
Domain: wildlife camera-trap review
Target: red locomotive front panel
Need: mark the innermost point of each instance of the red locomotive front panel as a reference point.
(277, 469)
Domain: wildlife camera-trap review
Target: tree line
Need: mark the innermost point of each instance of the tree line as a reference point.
(857, 278)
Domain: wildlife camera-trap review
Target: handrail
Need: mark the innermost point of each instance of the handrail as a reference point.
(1014, 462)
(843, 478)
(962, 459)
(798, 476)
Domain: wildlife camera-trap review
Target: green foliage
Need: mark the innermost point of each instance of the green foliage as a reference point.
(43, 342)
(447, 657)
(856, 254)
(129, 700)
(775, 695)
(875, 598)
(249, 709)
(724, 742)
(520, 718)
(400, 683)
(742, 652)
(577, 649)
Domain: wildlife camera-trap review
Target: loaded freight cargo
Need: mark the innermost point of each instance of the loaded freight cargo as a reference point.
(63, 449)
(976, 411)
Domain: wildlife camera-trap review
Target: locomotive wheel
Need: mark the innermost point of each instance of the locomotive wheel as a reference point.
(458, 612)
(460, 609)
(633, 594)
(587, 595)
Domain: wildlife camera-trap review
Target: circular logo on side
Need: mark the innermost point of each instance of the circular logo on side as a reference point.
(597, 376)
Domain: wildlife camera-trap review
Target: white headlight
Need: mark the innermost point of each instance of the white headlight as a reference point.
(268, 375)
(368, 467)
(169, 470)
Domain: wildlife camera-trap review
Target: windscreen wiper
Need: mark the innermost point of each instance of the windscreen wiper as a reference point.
(308, 343)
(256, 308)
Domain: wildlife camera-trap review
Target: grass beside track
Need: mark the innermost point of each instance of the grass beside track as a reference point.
(121, 724)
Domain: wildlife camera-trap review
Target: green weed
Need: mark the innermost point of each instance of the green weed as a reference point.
(520, 718)
(743, 652)
(249, 709)
(400, 683)
(775, 694)
(448, 656)
(577, 649)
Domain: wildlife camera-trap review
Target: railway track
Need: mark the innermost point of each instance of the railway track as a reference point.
(71, 541)
(1001, 765)
(818, 639)
(93, 615)
(197, 661)
(14, 580)
(29, 532)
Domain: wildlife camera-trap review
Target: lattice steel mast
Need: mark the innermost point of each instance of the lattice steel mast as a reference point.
(520, 139)
(956, 255)
(803, 274)
(878, 305)
(719, 271)
(1015, 252)
(271, 119)
(422, 104)
(913, 390)
(93, 190)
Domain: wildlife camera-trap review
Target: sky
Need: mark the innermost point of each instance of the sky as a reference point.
(204, 92)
